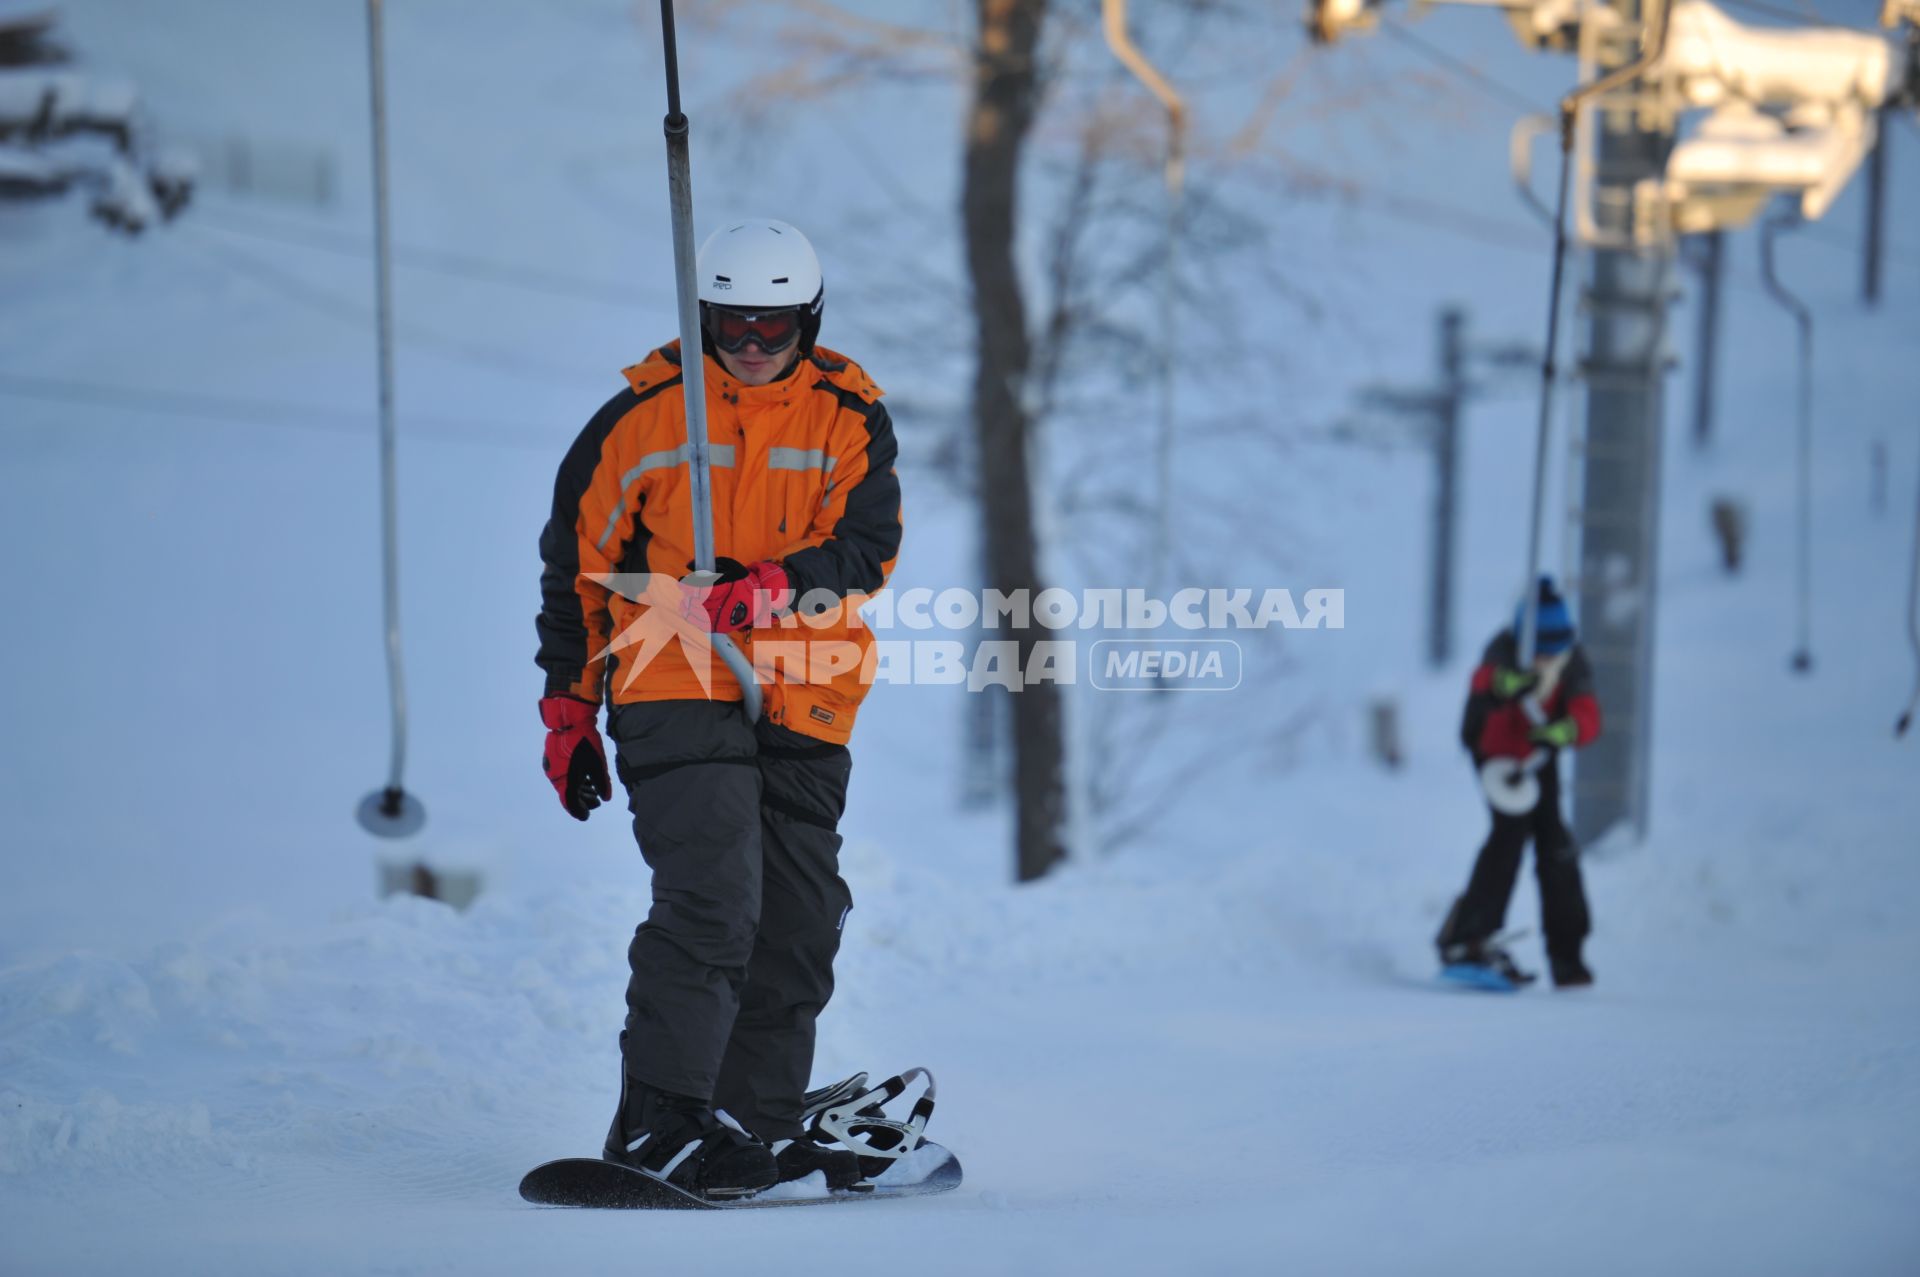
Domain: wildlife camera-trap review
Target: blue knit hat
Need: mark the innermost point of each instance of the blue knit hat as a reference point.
(1554, 621)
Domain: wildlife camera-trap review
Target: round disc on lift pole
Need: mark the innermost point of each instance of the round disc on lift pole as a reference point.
(391, 813)
(1511, 786)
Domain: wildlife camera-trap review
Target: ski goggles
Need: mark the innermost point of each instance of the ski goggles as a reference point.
(772, 330)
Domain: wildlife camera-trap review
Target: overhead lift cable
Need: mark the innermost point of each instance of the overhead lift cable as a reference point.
(1498, 90)
(271, 413)
(439, 261)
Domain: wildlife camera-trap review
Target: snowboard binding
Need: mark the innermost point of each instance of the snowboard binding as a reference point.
(848, 1114)
(855, 1115)
(1485, 964)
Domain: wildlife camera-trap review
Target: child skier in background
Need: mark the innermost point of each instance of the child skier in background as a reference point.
(1498, 729)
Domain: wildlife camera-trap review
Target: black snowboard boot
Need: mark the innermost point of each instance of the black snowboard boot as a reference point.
(681, 1140)
(1488, 957)
(1569, 972)
(800, 1158)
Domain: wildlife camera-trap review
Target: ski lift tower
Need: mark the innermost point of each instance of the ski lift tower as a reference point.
(1622, 143)
(1629, 282)
(1792, 113)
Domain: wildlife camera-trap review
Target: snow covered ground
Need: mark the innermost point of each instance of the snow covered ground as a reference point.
(1217, 1050)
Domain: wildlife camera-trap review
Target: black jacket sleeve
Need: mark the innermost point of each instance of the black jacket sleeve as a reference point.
(862, 515)
(572, 623)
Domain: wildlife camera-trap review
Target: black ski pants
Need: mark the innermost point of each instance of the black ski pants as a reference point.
(1481, 912)
(734, 962)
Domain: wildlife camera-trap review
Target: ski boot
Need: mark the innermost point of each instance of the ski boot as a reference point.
(1569, 972)
(1482, 964)
(681, 1140)
(799, 1158)
(816, 1150)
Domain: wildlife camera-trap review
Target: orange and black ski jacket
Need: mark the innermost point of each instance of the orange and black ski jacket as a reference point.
(803, 474)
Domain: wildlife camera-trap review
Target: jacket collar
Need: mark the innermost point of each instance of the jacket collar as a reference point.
(665, 362)
(797, 380)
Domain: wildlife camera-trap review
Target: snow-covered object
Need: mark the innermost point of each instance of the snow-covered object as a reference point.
(127, 201)
(62, 111)
(24, 97)
(1740, 152)
(1710, 58)
(25, 170)
(174, 164)
(55, 102)
(172, 173)
(26, 18)
(1792, 113)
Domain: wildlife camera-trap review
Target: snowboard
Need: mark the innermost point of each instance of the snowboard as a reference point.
(592, 1183)
(1484, 979)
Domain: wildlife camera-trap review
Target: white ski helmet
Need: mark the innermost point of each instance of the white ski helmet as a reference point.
(757, 264)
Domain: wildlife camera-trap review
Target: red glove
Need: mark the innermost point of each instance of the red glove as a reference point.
(575, 761)
(745, 595)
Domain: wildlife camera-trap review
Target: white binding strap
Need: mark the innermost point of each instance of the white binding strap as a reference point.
(673, 1163)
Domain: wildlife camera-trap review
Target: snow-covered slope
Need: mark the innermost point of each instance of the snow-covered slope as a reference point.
(1215, 1051)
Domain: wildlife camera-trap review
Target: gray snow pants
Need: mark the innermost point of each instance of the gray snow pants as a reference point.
(734, 962)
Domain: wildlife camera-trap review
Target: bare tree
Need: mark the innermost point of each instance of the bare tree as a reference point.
(1058, 139)
(1006, 95)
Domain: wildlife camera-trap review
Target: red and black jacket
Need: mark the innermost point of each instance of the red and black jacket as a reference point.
(1493, 728)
